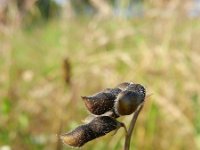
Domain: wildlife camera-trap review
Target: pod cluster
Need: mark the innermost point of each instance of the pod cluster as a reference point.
(121, 100)
(124, 99)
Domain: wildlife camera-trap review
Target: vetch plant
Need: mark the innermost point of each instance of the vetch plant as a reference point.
(106, 106)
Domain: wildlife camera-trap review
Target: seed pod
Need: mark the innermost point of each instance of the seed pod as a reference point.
(138, 88)
(128, 101)
(98, 127)
(101, 102)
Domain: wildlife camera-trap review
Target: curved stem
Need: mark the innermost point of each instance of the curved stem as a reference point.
(131, 127)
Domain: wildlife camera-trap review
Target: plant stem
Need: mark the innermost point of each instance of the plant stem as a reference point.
(131, 127)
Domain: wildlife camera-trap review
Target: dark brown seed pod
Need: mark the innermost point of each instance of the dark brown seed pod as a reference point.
(138, 88)
(128, 101)
(98, 127)
(101, 102)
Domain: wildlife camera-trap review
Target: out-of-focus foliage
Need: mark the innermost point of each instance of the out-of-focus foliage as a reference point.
(48, 8)
(40, 94)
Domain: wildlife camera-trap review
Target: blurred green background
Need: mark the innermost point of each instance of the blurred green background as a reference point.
(53, 52)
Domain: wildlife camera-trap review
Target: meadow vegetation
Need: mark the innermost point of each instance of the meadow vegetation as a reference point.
(161, 53)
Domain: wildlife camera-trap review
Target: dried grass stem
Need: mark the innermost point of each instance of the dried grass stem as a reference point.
(131, 127)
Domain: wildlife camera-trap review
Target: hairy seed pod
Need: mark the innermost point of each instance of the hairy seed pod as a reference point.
(98, 127)
(128, 101)
(101, 102)
(138, 88)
